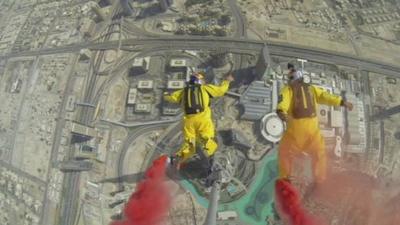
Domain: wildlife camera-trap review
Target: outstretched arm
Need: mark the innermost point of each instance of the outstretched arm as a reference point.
(326, 98)
(174, 97)
(217, 91)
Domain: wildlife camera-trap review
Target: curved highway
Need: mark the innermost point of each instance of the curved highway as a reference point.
(238, 44)
(131, 139)
(240, 32)
(234, 44)
(239, 19)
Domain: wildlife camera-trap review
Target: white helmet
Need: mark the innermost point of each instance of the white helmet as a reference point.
(297, 75)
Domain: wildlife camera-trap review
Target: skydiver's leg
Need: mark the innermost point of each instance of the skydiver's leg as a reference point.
(285, 158)
(209, 147)
(188, 147)
(207, 135)
(319, 158)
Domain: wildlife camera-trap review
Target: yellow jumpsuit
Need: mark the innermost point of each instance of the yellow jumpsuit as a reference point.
(303, 135)
(199, 127)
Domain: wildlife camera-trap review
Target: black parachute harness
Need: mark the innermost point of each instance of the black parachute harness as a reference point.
(193, 99)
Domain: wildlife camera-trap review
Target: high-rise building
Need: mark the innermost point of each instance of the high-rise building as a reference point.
(219, 58)
(95, 7)
(104, 3)
(127, 9)
(383, 114)
(356, 138)
(165, 4)
(256, 101)
(100, 16)
(85, 54)
(139, 66)
(264, 60)
(87, 27)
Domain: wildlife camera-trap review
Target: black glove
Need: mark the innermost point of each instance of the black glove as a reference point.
(283, 116)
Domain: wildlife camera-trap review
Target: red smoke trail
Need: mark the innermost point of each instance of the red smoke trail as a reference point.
(289, 205)
(387, 213)
(150, 203)
(361, 199)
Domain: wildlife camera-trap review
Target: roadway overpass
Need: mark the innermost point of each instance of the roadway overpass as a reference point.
(235, 45)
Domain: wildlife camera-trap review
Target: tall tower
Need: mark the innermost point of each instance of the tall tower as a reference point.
(126, 8)
(211, 217)
(104, 3)
(264, 60)
(381, 116)
(100, 16)
(219, 58)
(386, 113)
(165, 4)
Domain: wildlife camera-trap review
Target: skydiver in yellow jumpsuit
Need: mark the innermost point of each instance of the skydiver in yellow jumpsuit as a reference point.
(298, 106)
(198, 126)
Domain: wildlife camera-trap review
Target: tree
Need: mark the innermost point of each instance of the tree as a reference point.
(225, 19)
(180, 31)
(220, 32)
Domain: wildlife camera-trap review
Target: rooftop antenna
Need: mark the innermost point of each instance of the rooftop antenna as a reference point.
(302, 63)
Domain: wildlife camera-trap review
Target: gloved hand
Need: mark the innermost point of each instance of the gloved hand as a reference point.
(283, 116)
(174, 161)
(347, 105)
(229, 77)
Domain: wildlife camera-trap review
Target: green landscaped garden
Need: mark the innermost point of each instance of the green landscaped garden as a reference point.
(256, 205)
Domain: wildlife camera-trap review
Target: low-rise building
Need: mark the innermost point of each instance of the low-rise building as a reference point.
(132, 96)
(142, 108)
(178, 63)
(227, 215)
(85, 54)
(139, 66)
(175, 84)
(170, 109)
(145, 85)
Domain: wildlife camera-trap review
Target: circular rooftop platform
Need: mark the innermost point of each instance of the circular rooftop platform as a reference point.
(306, 79)
(272, 127)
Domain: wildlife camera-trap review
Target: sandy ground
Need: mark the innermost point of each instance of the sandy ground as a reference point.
(116, 101)
(294, 32)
